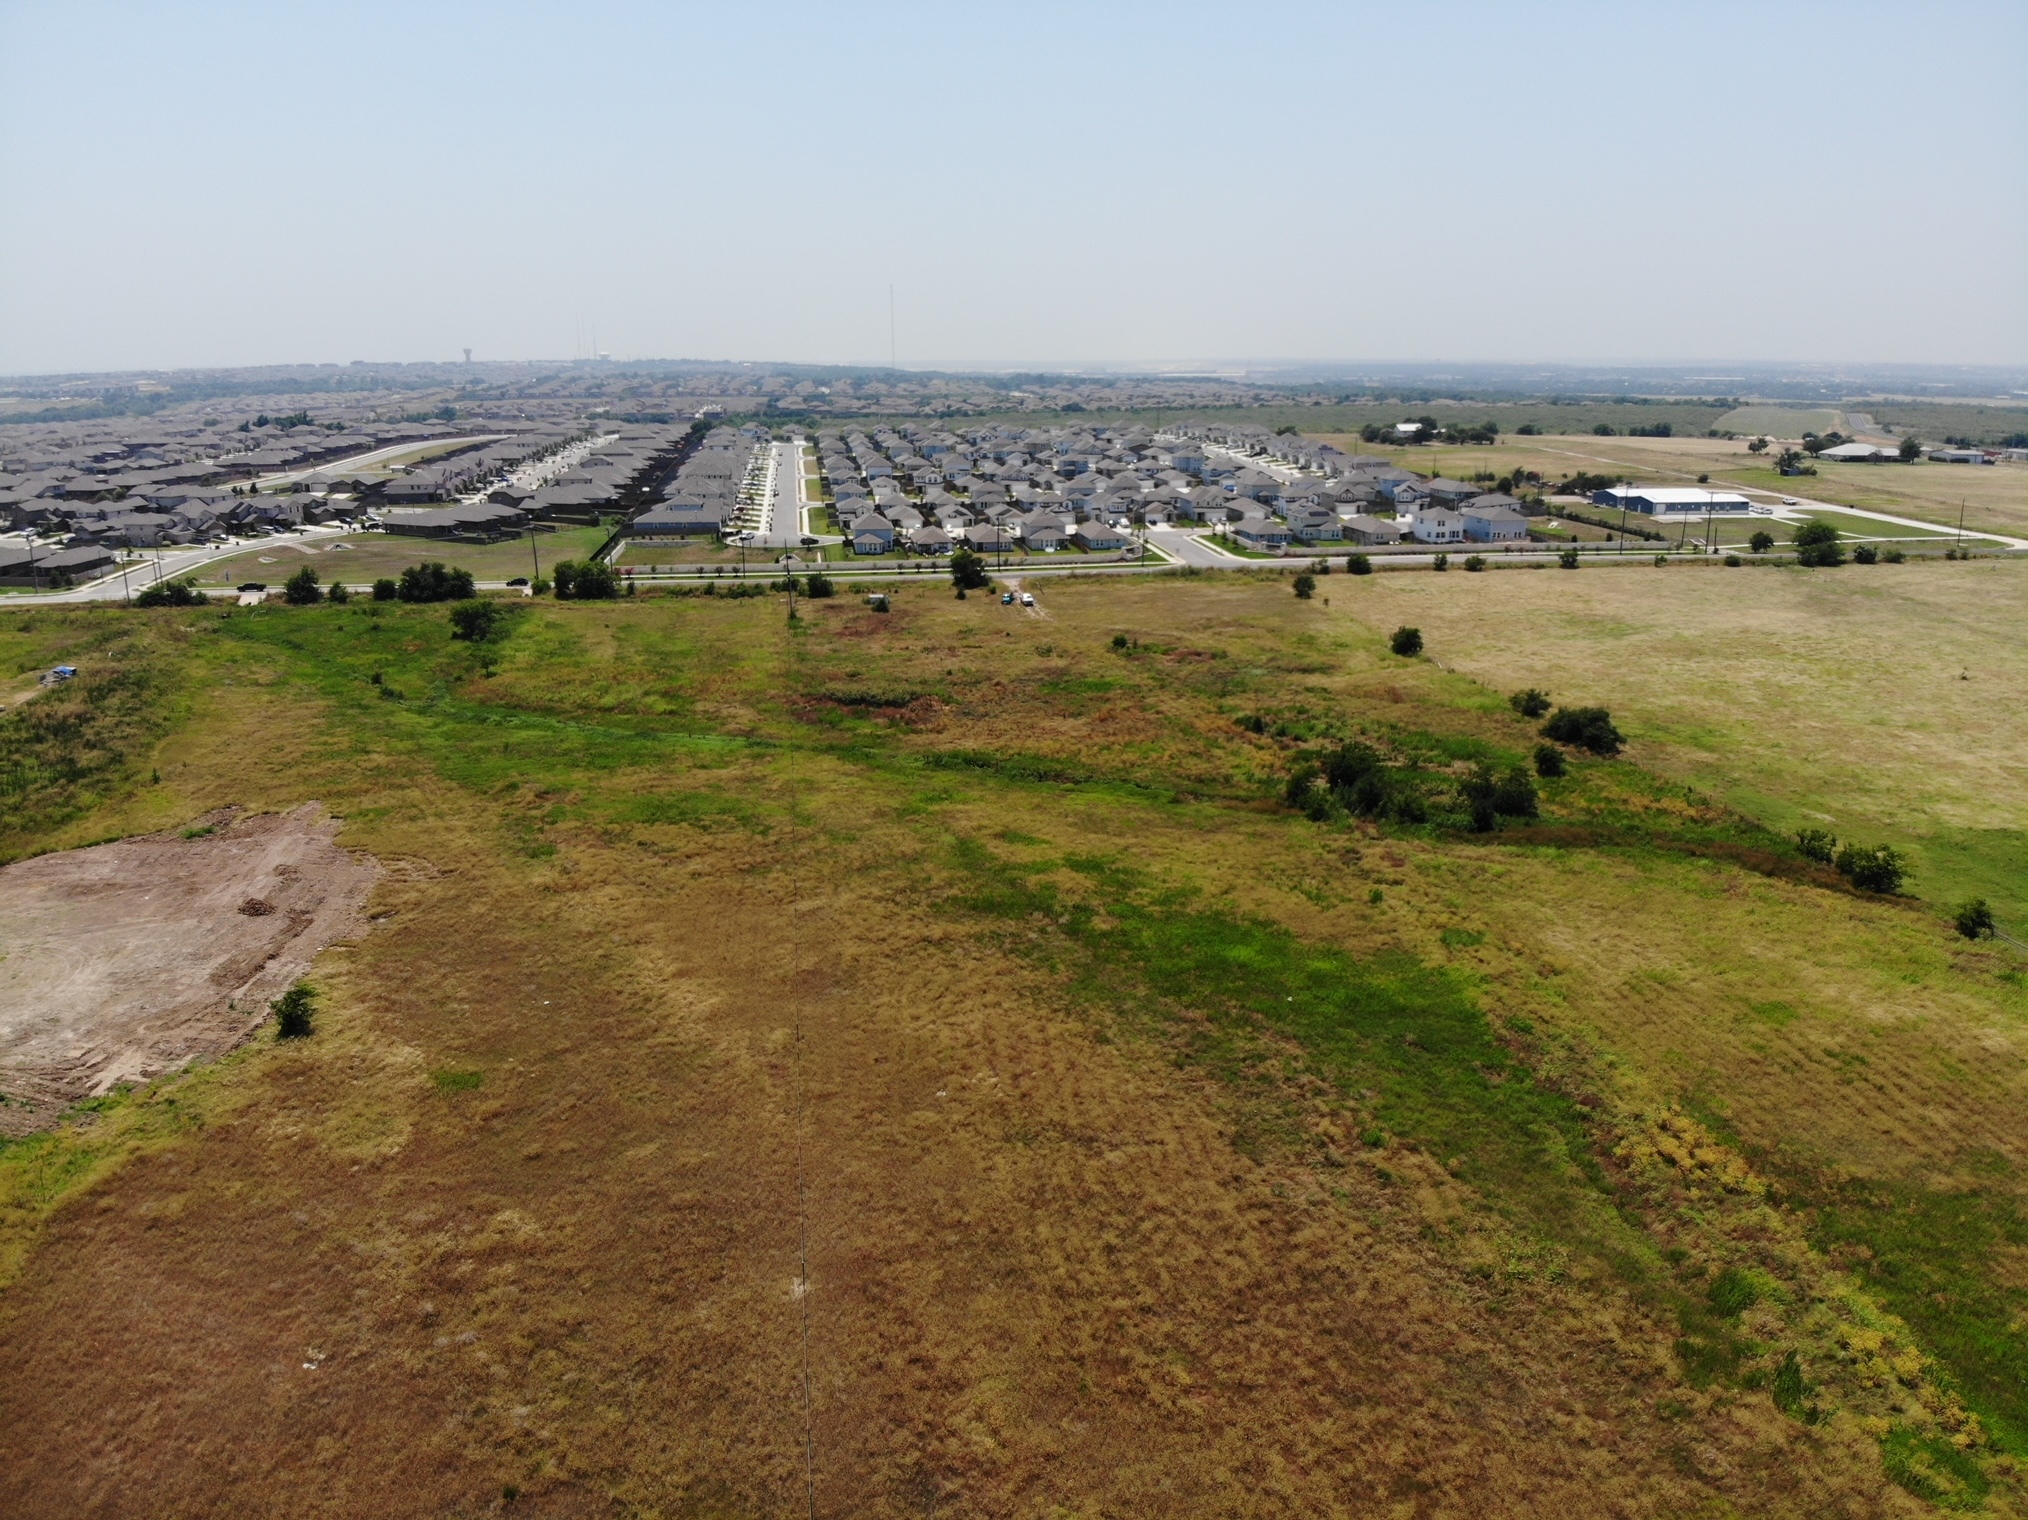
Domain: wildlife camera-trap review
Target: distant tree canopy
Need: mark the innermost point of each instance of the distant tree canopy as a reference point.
(477, 620)
(1911, 449)
(430, 581)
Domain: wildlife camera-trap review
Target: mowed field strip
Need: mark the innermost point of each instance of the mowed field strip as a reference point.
(914, 1062)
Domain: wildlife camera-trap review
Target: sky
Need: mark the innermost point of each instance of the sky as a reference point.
(1038, 184)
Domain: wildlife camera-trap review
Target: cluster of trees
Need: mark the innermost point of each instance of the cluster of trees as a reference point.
(1871, 868)
(183, 593)
(585, 581)
(968, 573)
(1433, 431)
(1817, 546)
(1588, 728)
(431, 581)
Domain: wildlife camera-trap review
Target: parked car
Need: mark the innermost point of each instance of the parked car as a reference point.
(254, 586)
(1788, 501)
(519, 580)
(1006, 599)
(1028, 599)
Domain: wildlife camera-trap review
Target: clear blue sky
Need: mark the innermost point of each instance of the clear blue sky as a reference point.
(211, 183)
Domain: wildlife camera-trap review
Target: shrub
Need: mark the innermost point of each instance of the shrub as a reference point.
(1407, 642)
(1549, 760)
(1358, 564)
(432, 581)
(1567, 559)
(1514, 794)
(338, 594)
(819, 585)
(384, 590)
(1878, 868)
(1585, 728)
(300, 589)
(475, 621)
(1761, 542)
(1892, 556)
(1306, 586)
(1817, 546)
(1733, 561)
(1530, 703)
(1661, 560)
(968, 571)
(171, 594)
(586, 581)
(1441, 562)
(1819, 845)
(1475, 561)
(1864, 554)
(293, 1013)
(1975, 920)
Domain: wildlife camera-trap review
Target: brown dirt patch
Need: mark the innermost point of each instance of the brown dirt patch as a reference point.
(124, 961)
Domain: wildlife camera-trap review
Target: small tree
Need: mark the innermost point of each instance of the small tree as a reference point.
(1588, 728)
(1756, 446)
(1358, 564)
(1514, 794)
(1819, 845)
(300, 589)
(1864, 554)
(1441, 562)
(1475, 561)
(1406, 642)
(1817, 545)
(819, 585)
(385, 590)
(1549, 760)
(1306, 586)
(1530, 703)
(1975, 920)
(1567, 558)
(1761, 542)
(968, 572)
(293, 1012)
(183, 593)
(475, 621)
(586, 581)
(1878, 868)
(1910, 450)
(338, 593)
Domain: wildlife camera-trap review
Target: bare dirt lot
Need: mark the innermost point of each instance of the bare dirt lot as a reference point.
(127, 960)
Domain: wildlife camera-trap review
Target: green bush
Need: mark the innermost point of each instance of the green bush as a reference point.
(1761, 542)
(338, 594)
(181, 593)
(1817, 546)
(1475, 561)
(1406, 642)
(1567, 559)
(385, 590)
(1358, 564)
(1306, 587)
(1514, 794)
(1441, 562)
(476, 621)
(293, 1012)
(1876, 868)
(819, 585)
(431, 581)
(1531, 703)
(1892, 555)
(300, 589)
(1819, 845)
(1864, 554)
(1549, 760)
(1588, 728)
(585, 581)
(968, 571)
(1733, 561)
(1975, 919)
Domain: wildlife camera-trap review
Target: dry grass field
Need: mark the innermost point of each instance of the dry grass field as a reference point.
(1993, 497)
(914, 1064)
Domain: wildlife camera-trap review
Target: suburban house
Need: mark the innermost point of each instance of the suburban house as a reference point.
(1260, 533)
(1315, 524)
(930, 540)
(1432, 524)
(1098, 536)
(1494, 519)
(1362, 529)
(872, 534)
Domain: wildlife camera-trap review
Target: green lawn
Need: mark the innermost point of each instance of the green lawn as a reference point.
(360, 558)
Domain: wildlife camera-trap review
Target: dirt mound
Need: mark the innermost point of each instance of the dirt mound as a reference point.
(123, 961)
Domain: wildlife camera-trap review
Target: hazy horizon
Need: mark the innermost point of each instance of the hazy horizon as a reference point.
(1564, 184)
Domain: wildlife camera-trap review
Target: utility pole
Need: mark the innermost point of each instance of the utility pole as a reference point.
(534, 558)
(1961, 528)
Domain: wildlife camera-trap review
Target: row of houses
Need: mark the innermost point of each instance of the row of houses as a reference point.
(702, 495)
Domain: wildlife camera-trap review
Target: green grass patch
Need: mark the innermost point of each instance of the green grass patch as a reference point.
(457, 1081)
(1932, 1469)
